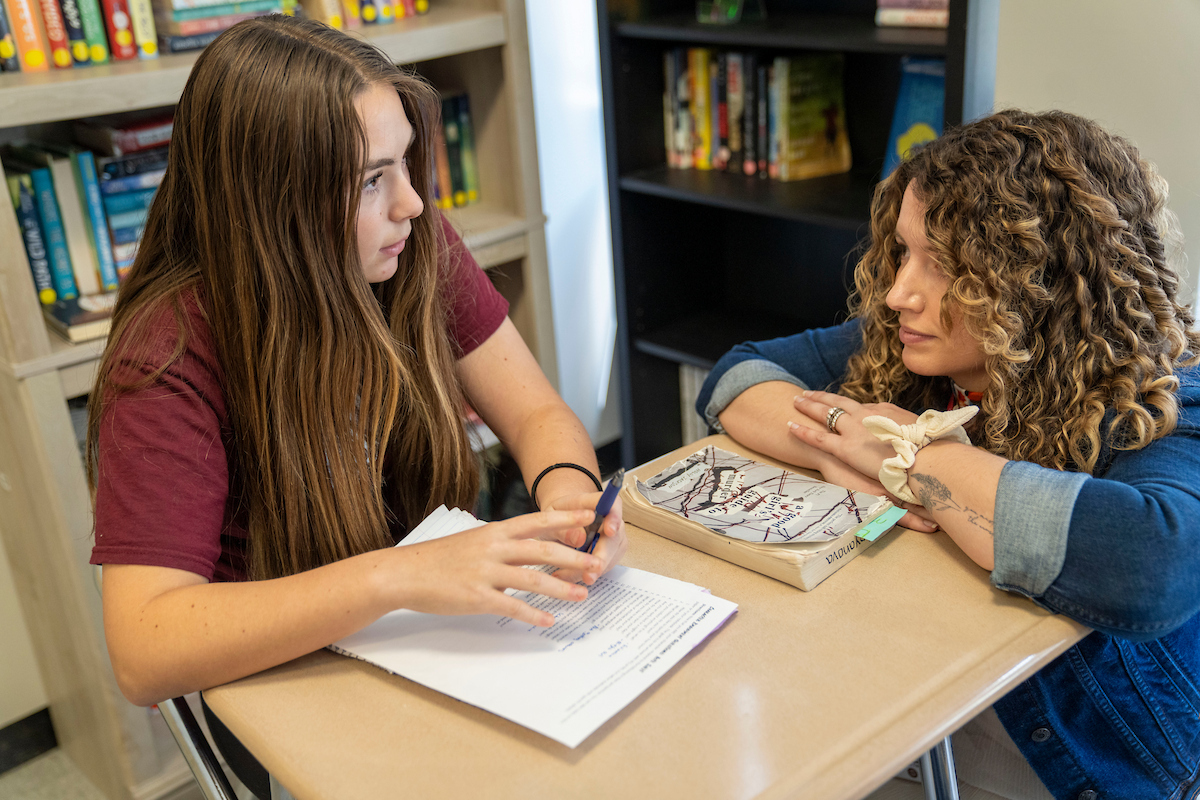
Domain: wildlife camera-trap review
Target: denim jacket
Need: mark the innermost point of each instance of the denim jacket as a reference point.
(1118, 715)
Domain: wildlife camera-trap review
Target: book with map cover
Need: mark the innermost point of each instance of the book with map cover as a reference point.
(722, 499)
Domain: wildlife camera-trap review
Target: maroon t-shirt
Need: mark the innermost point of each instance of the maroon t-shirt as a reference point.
(162, 492)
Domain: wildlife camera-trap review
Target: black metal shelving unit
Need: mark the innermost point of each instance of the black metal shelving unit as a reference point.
(706, 259)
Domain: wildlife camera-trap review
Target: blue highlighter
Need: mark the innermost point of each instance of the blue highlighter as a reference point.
(602, 509)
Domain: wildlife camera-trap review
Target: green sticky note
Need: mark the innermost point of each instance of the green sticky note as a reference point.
(881, 524)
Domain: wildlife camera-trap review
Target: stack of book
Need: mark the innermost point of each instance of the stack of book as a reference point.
(81, 212)
(456, 164)
(193, 24)
(781, 117)
(354, 13)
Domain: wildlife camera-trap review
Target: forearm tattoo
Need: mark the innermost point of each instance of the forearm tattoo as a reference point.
(936, 496)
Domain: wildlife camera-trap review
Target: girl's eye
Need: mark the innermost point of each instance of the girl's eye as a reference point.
(373, 182)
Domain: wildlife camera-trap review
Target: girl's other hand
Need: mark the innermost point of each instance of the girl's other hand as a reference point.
(611, 545)
(468, 573)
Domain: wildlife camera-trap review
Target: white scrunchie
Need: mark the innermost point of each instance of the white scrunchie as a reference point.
(908, 439)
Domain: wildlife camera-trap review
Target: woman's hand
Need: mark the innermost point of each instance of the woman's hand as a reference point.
(468, 573)
(611, 544)
(853, 455)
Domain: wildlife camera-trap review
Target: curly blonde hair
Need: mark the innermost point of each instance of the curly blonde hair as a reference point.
(1060, 253)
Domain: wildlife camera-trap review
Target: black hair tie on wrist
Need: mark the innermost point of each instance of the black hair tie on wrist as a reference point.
(551, 468)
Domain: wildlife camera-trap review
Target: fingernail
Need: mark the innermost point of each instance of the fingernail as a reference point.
(805, 393)
(792, 425)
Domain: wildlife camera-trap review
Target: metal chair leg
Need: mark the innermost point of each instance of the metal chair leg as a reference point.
(937, 772)
(199, 756)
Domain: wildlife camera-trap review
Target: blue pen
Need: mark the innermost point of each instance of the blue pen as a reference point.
(602, 509)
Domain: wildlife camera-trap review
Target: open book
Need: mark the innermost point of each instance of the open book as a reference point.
(725, 500)
(564, 681)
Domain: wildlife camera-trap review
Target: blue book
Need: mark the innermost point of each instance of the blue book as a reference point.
(20, 186)
(125, 236)
(85, 170)
(128, 201)
(52, 230)
(127, 219)
(920, 106)
(131, 183)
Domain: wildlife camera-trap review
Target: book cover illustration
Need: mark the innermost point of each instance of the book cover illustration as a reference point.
(746, 499)
(920, 106)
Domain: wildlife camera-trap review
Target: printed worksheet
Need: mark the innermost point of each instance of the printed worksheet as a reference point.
(756, 502)
(564, 681)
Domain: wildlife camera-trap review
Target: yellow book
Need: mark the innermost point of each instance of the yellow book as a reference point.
(698, 62)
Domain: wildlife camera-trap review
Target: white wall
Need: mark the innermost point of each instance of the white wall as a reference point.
(21, 690)
(1132, 66)
(570, 131)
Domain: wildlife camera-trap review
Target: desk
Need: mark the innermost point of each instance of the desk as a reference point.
(812, 695)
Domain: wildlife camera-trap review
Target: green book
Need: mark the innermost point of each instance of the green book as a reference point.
(93, 30)
(204, 12)
(466, 135)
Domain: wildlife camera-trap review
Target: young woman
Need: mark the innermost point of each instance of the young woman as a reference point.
(1023, 264)
(283, 392)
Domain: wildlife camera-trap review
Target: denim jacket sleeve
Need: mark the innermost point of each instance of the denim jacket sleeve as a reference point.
(1119, 552)
(812, 359)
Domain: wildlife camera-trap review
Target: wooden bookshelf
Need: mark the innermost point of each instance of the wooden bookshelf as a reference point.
(475, 45)
(704, 260)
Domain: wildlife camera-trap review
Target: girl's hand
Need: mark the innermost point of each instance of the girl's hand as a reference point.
(611, 544)
(468, 573)
(853, 456)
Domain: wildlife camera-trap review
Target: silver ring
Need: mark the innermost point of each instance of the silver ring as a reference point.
(832, 417)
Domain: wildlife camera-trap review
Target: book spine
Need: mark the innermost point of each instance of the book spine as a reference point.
(92, 20)
(30, 41)
(76, 40)
(445, 191)
(134, 218)
(327, 11)
(773, 110)
(701, 114)
(134, 164)
(85, 164)
(56, 34)
(145, 37)
(72, 210)
(422, 6)
(750, 118)
(125, 251)
(21, 189)
(683, 110)
(352, 13)
(720, 106)
(52, 230)
(714, 110)
(470, 163)
(762, 143)
(182, 44)
(370, 11)
(128, 201)
(669, 105)
(125, 141)
(454, 151)
(132, 183)
(912, 17)
(123, 236)
(735, 94)
(235, 11)
(8, 44)
(120, 34)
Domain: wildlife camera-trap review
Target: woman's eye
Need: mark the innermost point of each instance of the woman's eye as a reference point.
(373, 182)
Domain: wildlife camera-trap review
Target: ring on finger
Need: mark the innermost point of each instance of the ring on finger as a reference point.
(832, 417)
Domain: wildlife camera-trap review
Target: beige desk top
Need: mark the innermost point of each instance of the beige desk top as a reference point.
(822, 694)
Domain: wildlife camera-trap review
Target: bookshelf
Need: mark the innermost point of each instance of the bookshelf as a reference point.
(475, 45)
(704, 260)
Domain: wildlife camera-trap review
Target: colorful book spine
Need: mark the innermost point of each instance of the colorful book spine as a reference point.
(669, 106)
(145, 36)
(20, 187)
(774, 73)
(470, 163)
(225, 10)
(683, 110)
(132, 183)
(327, 11)
(735, 94)
(370, 11)
(352, 12)
(458, 190)
(27, 34)
(85, 166)
(750, 116)
(56, 34)
(52, 231)
(128, 201)
(701, 114)
(123, 236)
(445, 192)
(762, 143)
(127, 219)
(420, 6)
(118, 23)
(76, 40)
(182, 44)
(92, 20)
(720, 92)
(111, 167)
(8, 44)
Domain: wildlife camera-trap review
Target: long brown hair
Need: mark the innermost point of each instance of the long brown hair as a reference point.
(1059, 248)
(342, 397)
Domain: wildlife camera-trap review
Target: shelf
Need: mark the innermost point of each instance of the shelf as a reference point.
(850, 34)
(701, 339)
(840, 201)
(31, 98)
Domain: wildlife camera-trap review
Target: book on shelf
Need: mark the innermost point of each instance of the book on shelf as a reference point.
(24, 18)
(750, 115)
(145, 35)
(812, 116)
(327, 11)
(920, 107)
(700, 93)
(462, 164)
(735, 109)
(76, 39)
(182, 44)
(53, 234)
(79, 319)
(8, 44)
(725, 500)
(118, 23)
(458, 190)
(112, 167)
(131, 183)
(20, 188)
(763, 94)
(719, 93)
(96, 40)
(470, 161)
(443, 192)
(56, 34)
(89, 184)
(123, 134)
(912, 13)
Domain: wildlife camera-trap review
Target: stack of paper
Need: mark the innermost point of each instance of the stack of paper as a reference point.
(564, 681)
